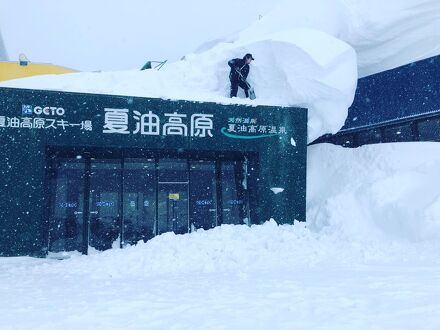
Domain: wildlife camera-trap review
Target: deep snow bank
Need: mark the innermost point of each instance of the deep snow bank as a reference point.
(384, 34)
(388, 34)
(242, 249)
(375, 192)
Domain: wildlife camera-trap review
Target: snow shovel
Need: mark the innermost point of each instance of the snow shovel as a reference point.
(251, 91)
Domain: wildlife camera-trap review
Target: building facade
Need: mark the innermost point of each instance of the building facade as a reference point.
(87, 171)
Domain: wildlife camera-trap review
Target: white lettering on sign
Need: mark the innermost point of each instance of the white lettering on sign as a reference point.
(201, 125)
(147, 123)
(43, 123)
(249, 125)
(116, 121)
(49, 111)
(175, 126)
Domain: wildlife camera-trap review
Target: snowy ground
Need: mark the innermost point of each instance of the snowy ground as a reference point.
(353, 265)
(281, 278)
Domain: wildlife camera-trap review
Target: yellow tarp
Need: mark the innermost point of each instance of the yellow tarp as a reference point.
(13, 70)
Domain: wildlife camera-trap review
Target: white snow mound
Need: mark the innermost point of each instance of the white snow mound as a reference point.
(375, 192)
(384, 34)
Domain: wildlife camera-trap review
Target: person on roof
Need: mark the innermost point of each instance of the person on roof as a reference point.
(239, 73)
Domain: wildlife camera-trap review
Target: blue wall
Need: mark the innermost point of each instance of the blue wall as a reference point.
(397, 105)
(405, 92)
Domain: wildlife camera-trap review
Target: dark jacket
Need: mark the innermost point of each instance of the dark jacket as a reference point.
(238, 64)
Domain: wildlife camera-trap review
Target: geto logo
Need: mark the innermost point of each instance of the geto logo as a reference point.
(49, 111)
(26, 110)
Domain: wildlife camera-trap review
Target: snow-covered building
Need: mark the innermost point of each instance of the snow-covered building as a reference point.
(89, 171)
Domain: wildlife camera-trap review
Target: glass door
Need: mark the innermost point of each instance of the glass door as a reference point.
(105, 203)
(203, 200)
(234, 192)
(173, 201)
(139, 202)
(67, 209)
(173, 208)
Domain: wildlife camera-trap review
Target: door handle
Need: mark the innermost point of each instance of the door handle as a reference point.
(77, 212)
(94, 212)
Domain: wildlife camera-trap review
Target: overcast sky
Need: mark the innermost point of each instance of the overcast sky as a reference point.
(118, 35)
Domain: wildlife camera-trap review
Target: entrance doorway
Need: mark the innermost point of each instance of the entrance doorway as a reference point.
(99, 201)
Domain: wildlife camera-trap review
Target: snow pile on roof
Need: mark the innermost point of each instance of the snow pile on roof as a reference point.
(290, 70)
(392, 33)
(306, 55)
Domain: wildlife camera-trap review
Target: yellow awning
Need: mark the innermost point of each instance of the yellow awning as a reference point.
(13, 70)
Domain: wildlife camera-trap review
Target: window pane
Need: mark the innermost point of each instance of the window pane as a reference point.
(173, 170)
(139, 200)
(105, 181)
(203, 194)
(66, 225)
(233, 192)
(429, 130)
(173, 208)
(397, 134)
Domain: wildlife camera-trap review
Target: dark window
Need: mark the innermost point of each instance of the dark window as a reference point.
(203, 194)
(139, 202)
(369, 137)
(345, 140)
(173, 208)
(173, 170)
(105, 197)
(233, 181)
(66, 223)
(397, 134)
(101, 203)
(429, 130)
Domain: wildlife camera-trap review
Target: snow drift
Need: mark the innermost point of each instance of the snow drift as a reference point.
(384, 35)
(376, 192)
